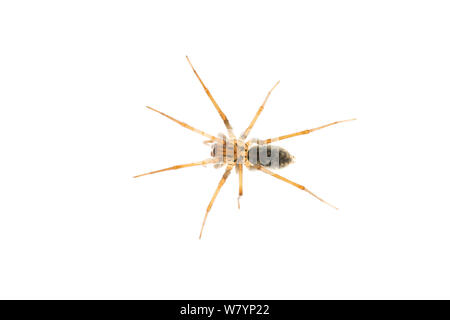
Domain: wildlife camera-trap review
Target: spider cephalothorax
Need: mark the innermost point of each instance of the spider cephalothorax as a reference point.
(236, 153)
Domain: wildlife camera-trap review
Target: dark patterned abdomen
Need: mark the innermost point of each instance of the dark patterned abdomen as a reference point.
(269, 156)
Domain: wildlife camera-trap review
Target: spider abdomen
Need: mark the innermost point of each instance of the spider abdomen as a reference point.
(269, 156)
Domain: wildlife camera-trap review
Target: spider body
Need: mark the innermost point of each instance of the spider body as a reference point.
(269, 156)
(238, 153)
(228, 151)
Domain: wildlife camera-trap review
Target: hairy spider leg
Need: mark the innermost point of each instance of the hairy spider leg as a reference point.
(183, 124)
(222, 115)
(212, 160)
(263, 169)
(261, 108)
(245, 135)
(221, 183)
(240, 172)
(301, 132)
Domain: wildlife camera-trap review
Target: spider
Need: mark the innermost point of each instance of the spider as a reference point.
(234, 152)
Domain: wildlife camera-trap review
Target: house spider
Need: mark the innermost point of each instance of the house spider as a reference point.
(237, 152)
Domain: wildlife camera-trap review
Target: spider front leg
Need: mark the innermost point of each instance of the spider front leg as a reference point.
(222, 115)
(185, 125)
(180, 166)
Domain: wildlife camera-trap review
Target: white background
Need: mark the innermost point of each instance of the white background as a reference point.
(75, 78)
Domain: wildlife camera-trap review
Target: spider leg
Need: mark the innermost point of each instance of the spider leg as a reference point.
(222, 115)
(301, 132)
(221, 183)
(211, 137)
(247, 131)
(179, 167)
(263, 169)
(207, 142)
(240, 172)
